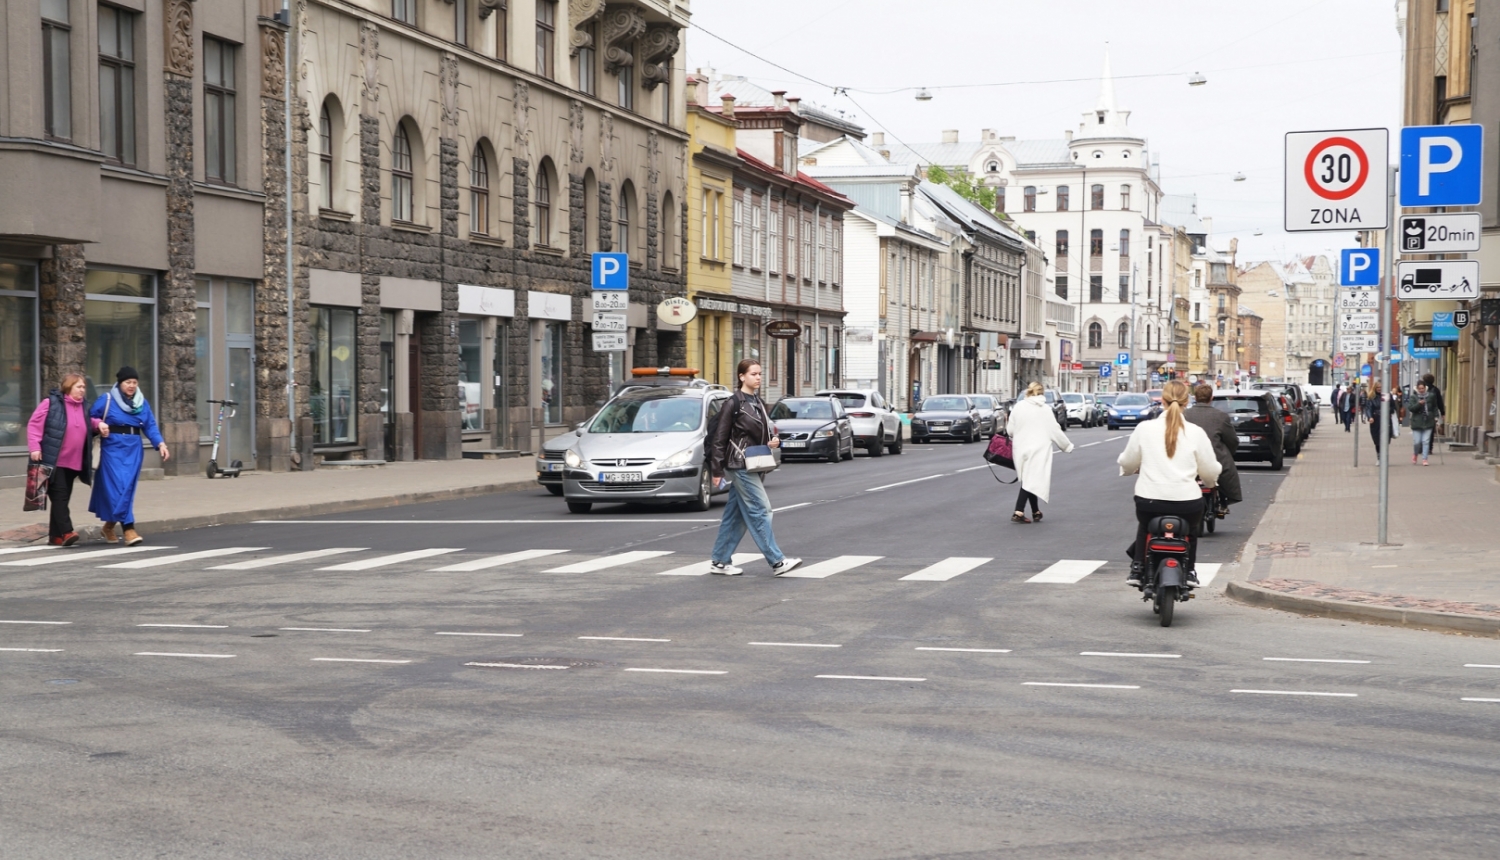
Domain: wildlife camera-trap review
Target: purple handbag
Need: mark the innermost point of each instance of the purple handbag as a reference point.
(1001, 453)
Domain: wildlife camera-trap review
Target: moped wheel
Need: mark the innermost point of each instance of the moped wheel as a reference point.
(1166, 599)
(1211, 517)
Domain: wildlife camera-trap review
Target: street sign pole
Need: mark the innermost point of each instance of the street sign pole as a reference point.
(1387, 302)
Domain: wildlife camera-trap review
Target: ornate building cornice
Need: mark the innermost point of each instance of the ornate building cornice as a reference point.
(583, 13)
(657, 50)
(179, 37)
(623, 25)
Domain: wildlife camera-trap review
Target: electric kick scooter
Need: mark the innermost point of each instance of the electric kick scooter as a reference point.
(212, 469)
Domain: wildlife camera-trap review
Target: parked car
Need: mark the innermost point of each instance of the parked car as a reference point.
(1303, 405)
(1102, 402)
(877, 428)
(1258, 422)
(646, 445)
(989, 410)
(814, 427)
(550, 466)
(1293, 424)
(1079, 410)
(1130, 409)
(1058, 407)
(945, 416)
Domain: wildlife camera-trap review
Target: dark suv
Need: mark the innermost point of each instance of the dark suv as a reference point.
(1307, 410)
(1257, 421)
(1058, 407)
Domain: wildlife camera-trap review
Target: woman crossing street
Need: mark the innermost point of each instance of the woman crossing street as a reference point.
(127, 417)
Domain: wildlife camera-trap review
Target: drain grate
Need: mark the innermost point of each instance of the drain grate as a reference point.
(535, 663)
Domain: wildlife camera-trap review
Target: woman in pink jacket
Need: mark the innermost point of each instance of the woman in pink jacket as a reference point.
(59, 433)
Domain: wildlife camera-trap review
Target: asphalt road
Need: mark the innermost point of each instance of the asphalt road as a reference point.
(524, 689)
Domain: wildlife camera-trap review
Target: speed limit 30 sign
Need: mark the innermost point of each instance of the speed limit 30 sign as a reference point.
(1336, 180)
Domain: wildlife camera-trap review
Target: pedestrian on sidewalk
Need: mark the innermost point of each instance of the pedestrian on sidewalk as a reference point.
(1220, 429)
(1347, 406)
(127, 416)
(1430, 380)
(1422, 406)
(59, 434)
(1372, 415)
(744, 423)
(1033, 431)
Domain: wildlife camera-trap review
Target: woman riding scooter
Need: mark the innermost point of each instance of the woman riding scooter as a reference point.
(1170, 456)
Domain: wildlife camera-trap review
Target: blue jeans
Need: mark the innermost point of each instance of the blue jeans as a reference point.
(748, 508)
(1421, 442)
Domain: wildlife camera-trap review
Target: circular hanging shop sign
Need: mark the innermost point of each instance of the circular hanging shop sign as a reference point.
(676, 311)
(784, 329)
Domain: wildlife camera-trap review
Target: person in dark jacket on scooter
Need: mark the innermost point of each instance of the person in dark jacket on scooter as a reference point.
(1220, 430)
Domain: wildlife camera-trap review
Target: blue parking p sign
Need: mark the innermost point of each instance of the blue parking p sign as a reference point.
(1123, 359)
(1441, 165)
(1359, 267)
(610, 271)
(1104, 371)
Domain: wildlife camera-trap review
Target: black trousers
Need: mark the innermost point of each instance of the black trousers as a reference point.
(1148, 509)
(1025, 498)
(1375, 426)
(59, 492)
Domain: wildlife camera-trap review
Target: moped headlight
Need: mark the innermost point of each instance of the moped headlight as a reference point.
(573, 459)
(681, 458)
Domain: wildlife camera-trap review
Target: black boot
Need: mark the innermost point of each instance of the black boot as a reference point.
(1134, 579)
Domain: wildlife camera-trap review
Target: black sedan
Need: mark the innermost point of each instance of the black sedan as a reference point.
(947, 416)
(1257, 418)
(816, 427)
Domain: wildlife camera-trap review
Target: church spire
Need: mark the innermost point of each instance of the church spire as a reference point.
(1106, 87)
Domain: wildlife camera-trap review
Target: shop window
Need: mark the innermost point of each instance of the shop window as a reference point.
(119, 312)
(57, 75)
(19, 386)
(333, 398)
(225, 340)
(552, 372)
(470, 374)
(117, 84)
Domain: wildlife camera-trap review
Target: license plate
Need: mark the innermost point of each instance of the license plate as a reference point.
(791, 444)
(554, 467)
(1244, 439)
(619, 477)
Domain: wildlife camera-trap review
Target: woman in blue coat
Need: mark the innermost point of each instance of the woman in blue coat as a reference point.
(124, 410)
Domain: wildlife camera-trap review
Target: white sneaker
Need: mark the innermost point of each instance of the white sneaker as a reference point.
(785, 565)
(723, 569)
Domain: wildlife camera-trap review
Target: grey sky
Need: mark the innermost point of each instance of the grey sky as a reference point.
(1317, 64)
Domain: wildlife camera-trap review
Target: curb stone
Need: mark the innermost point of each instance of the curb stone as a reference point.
(1415, 619)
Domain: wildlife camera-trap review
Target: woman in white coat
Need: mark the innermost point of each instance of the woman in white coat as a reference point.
(1033, 431)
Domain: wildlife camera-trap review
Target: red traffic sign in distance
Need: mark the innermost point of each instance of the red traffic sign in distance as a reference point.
(1336, 180)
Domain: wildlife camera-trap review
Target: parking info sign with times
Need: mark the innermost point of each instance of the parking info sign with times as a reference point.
(1336, 180)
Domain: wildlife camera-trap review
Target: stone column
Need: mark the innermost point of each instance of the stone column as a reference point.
(63, 348)
(176, 302)
(272, 422)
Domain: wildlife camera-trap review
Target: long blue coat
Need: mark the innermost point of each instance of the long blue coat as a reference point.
(113, 499)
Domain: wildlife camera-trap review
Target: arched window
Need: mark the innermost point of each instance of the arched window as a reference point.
(1124, 335)
(1096, 335)
(325, 156)
(1096, 197)
(624, 215)
(543, 205)
(1030, 198)
(993, 167)
(479, 193)
(401, 176)
(668, 232)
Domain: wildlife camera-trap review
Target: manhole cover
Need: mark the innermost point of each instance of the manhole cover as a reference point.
(535, 663)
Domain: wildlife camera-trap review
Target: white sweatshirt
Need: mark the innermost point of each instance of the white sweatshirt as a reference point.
(1172, 479)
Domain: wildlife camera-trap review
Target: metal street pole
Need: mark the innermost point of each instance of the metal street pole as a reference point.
(1134, 371)
(1387, 290)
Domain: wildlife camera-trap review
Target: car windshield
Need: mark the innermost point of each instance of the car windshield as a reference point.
(1073, 398)
(787, 409)
(850, 401)
(650, 412)
(1237, 404)
(1050, 395)
(1107, 399)
(1132, 400)
(984, 402)
(945, 404)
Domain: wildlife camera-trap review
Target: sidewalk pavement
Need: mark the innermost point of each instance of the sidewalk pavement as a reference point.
(1315, 551)
(173, 504)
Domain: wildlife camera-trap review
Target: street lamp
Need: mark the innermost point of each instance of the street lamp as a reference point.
(1196, 79)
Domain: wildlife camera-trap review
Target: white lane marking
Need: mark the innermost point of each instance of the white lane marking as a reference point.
(1102, 441)
(515, 666)
(967, 650)
(1379, 566)
(288, 558)
(683, 671)
(1067, 571)
(173, 654)
(866, 678)
(1310, 660)
(796, 644)
(1207, 570)
(790, 507)
(497, 560)
(825, 569)
(1297, 693)
(699, 568)
(159, 561)
(1466, 665)
(1478, 700)
(12, 550)
(1127, 654)
(576, 521)
(353, 660)
(386, 560)
(972, 469)
(54, 558)
(325, 629)
(189, 626)
(609, 561)
(1089, 686)
(946, 569)
(457, 633)
(35, 650)
(904, 483)
(36, 622)
(621, 639)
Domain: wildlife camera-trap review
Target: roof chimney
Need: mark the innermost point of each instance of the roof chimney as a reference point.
(877, 139)
(780, 96)
(796, 104)
(1068, 134)
(987, 134)
(728, 105)
(950, 135)
(698, 88)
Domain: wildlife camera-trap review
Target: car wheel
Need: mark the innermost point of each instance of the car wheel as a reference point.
(850, 454)
(877, 448)
(580, 507)
(1276, 462)
(895, 447)
(837, 454)
(704, 500)
(919, 440)
(554, 489)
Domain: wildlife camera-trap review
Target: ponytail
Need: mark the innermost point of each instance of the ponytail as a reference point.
(1175, 396)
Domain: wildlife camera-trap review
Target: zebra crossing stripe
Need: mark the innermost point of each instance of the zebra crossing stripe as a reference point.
(699, 568)
(946, 569)
(1067, 571)
(1207, 570)
(609, 561)
(55, 557)
(12, 550)
(288, 558)
(161, 561)
(490, 561)
(825, 569)
(387, 560)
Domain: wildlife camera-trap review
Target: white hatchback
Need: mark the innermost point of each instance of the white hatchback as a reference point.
(876, 428)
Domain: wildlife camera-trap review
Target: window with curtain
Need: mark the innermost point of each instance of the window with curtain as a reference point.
(546, 36)
(479, 193)
(808, 257)
(117, 84)
(401, 176)
(57, 75)
(757, 237)
(1061, 244)
(325, 157)
(219, 110)
(713, 202)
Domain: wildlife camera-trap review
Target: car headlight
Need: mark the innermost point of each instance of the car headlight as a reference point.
(824, 433)
(573, 459)
(1114, 413)
(681, 458)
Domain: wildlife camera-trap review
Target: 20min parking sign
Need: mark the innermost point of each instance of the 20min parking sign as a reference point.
(1336, 180)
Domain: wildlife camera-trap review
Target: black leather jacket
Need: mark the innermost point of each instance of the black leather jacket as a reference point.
(743, 422)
